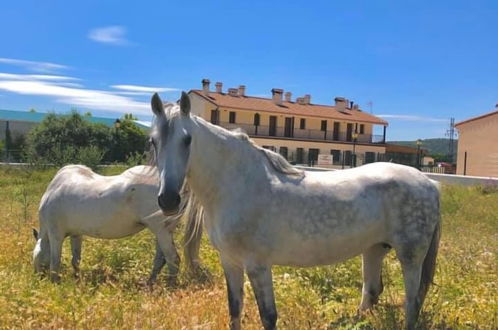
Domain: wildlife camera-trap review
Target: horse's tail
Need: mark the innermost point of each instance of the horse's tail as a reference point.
(193, 234)
(429, 265)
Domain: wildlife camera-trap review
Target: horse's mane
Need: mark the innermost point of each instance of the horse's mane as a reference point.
(277, 161)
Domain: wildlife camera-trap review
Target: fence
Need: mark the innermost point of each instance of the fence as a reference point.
(307, 134)
(11, 156)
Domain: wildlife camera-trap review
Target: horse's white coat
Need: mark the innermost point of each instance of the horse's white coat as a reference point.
(262, 212)
(80, 202)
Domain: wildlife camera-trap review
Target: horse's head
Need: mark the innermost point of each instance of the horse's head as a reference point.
(40, 256)
(171, 140)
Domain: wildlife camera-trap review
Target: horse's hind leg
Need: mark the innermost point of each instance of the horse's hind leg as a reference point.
(159, 262)
(261, 282)
(76, 252)
(372, 275)
(412, 258)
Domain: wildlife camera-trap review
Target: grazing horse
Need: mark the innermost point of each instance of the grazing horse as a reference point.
(80, 202)
(261, 211)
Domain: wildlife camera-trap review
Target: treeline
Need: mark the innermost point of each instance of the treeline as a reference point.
(71, 139)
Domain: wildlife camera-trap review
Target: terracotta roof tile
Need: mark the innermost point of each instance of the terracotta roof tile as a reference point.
(289, 108)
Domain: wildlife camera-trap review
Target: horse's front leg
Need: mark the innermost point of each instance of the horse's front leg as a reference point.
(159, 262)
(261, 281)
(165, 240)
(55, 241)
(76, 242)
(234, 276)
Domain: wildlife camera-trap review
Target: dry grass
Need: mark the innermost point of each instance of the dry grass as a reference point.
(111, 292)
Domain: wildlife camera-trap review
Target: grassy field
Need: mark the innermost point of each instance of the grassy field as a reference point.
(111, 291)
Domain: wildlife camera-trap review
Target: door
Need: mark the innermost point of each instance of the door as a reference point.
(299, 155)
(288, 127)
(337, 127)
(273, 126)
(349, 133)
(313, 156)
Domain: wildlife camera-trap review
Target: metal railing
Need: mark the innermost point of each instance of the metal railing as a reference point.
(303, 134)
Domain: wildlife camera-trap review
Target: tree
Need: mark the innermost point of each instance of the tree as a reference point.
(127, 139)
(129, 116)
(73, 139)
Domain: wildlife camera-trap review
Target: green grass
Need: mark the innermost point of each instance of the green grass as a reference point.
(111, 290)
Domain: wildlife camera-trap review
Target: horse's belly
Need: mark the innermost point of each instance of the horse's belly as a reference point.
(323, 245)
(102, 226)
(318, 253)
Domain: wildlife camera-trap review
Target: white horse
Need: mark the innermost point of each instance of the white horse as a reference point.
(261, 211)
(80, 202)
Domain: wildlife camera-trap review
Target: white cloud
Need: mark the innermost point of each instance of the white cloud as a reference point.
(114, 35)
(69, 93)
(144, 89)
(34, 65)
(413, 118)
(15, 76)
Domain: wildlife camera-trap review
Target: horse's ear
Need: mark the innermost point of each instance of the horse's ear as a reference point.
(35, 234)
(185, 104)
(157, 105)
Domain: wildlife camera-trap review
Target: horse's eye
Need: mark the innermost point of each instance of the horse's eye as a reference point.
(187, 140)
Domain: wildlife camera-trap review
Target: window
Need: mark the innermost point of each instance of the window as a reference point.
(324, 125)
(283, 151)
(231, 117)
(362, 129)
(214, 116)
(348, 157)
(256, 119)
(299, 155)
(369, 156)
(302, 123)
(313, 156)
(336, 156)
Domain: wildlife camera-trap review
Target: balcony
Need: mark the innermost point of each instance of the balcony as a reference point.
(303, 134)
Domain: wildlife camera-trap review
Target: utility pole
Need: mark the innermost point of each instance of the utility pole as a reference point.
(451, 134)
(370, 106)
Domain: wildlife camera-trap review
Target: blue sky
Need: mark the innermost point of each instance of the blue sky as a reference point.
(418, 62)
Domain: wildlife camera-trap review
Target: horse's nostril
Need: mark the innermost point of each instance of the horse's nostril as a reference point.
(169, 201)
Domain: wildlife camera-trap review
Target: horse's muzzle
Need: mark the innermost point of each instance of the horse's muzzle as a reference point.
(169, 202)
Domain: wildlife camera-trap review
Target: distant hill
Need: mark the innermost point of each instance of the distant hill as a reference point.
(433, 146)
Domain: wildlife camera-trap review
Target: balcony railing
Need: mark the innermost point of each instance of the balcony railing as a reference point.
(303, 134)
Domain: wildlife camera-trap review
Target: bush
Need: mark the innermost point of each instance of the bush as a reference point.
(61, 140)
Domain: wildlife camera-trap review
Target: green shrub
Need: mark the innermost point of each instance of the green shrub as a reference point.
(61, 140)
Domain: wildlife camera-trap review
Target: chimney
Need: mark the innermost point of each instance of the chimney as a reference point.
(242, 90)
(340, 103)
(351, 103)
(288, 96)
(233, 91)
(205, 86)
(219, 87)
(307, 99)
(356, 107)
(277, 95)
(300, 100)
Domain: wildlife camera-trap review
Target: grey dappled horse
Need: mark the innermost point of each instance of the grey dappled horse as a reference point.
(260, 211)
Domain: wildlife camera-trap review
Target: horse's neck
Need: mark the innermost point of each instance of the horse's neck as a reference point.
(217, 164)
